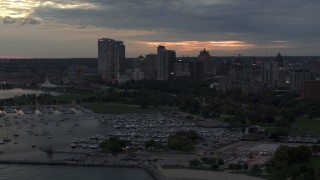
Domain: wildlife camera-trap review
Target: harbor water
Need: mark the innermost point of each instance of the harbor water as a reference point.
(45, 172)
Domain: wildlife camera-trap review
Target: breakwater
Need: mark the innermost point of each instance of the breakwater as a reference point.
(150, 170)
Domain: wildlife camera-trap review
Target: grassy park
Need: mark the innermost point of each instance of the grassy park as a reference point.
(308, 126)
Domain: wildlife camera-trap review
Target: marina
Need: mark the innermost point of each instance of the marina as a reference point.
(75, 128)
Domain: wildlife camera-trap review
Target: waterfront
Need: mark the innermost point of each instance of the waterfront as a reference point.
(54, 126)
(74, 131)
(10, 93)
(37, 130)
(26, 172)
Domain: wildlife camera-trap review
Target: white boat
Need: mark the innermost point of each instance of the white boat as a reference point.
(6, 139)
(73, 145)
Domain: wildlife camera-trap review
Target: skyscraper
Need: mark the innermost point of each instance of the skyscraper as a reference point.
(165, 63)
(280, 60)
(161, 63)
(111, 57)
(171, 58)
(208, 68)
(270, 73)
(151, 70)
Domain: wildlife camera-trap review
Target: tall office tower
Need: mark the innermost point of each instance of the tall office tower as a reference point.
(111, 57)
(121, 57)
(280, 60)
(165, 63)
(270, 73)
(205, 57)
(151, 69)
(171, 58)
(161, 63)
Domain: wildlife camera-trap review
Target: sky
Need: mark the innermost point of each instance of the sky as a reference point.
(71, 28)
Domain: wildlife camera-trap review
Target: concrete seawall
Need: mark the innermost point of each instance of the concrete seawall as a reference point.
(150, 170)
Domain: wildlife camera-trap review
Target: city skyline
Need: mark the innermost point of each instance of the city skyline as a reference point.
(64, 28)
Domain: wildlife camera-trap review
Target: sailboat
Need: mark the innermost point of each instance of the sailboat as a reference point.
(49, 149)
(7, 139)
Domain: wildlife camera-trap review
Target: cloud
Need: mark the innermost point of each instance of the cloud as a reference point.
(284, 19)
(196, 45)
(21, 21)
(292, 25)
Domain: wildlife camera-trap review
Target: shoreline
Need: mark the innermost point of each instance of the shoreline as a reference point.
(154, 173)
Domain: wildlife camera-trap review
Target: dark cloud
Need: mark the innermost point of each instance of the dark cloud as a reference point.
(255, 21)
(21, 21)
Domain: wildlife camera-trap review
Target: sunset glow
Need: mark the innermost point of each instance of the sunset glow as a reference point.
(196, 45)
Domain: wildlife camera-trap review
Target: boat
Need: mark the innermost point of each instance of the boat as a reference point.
(48, 149)
(73, 145)
(15, 135)
(6, 139)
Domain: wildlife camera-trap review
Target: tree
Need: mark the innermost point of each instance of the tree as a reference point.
(183, 140)
(194, 163)
(232, 166)
(315, 149)
(150, 144)
(255, 169)
(221, 161)
(113, 145)
(214, 166)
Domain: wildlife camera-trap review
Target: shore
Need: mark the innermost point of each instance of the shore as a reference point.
(189, 174)
(156, 174)
(151, 171)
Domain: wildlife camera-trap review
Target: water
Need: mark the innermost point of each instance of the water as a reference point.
(10, 93)
(45, 172)
(20, 148)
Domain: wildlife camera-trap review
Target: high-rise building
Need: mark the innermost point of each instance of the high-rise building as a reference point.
(270, 73)
(111, 58)
(196, 70)
(208, 66)
(298, 76)
(188, 70)
(161, 63)
(280, 60)
(171, 58)
(165, 63)
(151, 69)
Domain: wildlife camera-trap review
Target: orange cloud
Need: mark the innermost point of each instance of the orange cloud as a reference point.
(279, 41)
(196, 45)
